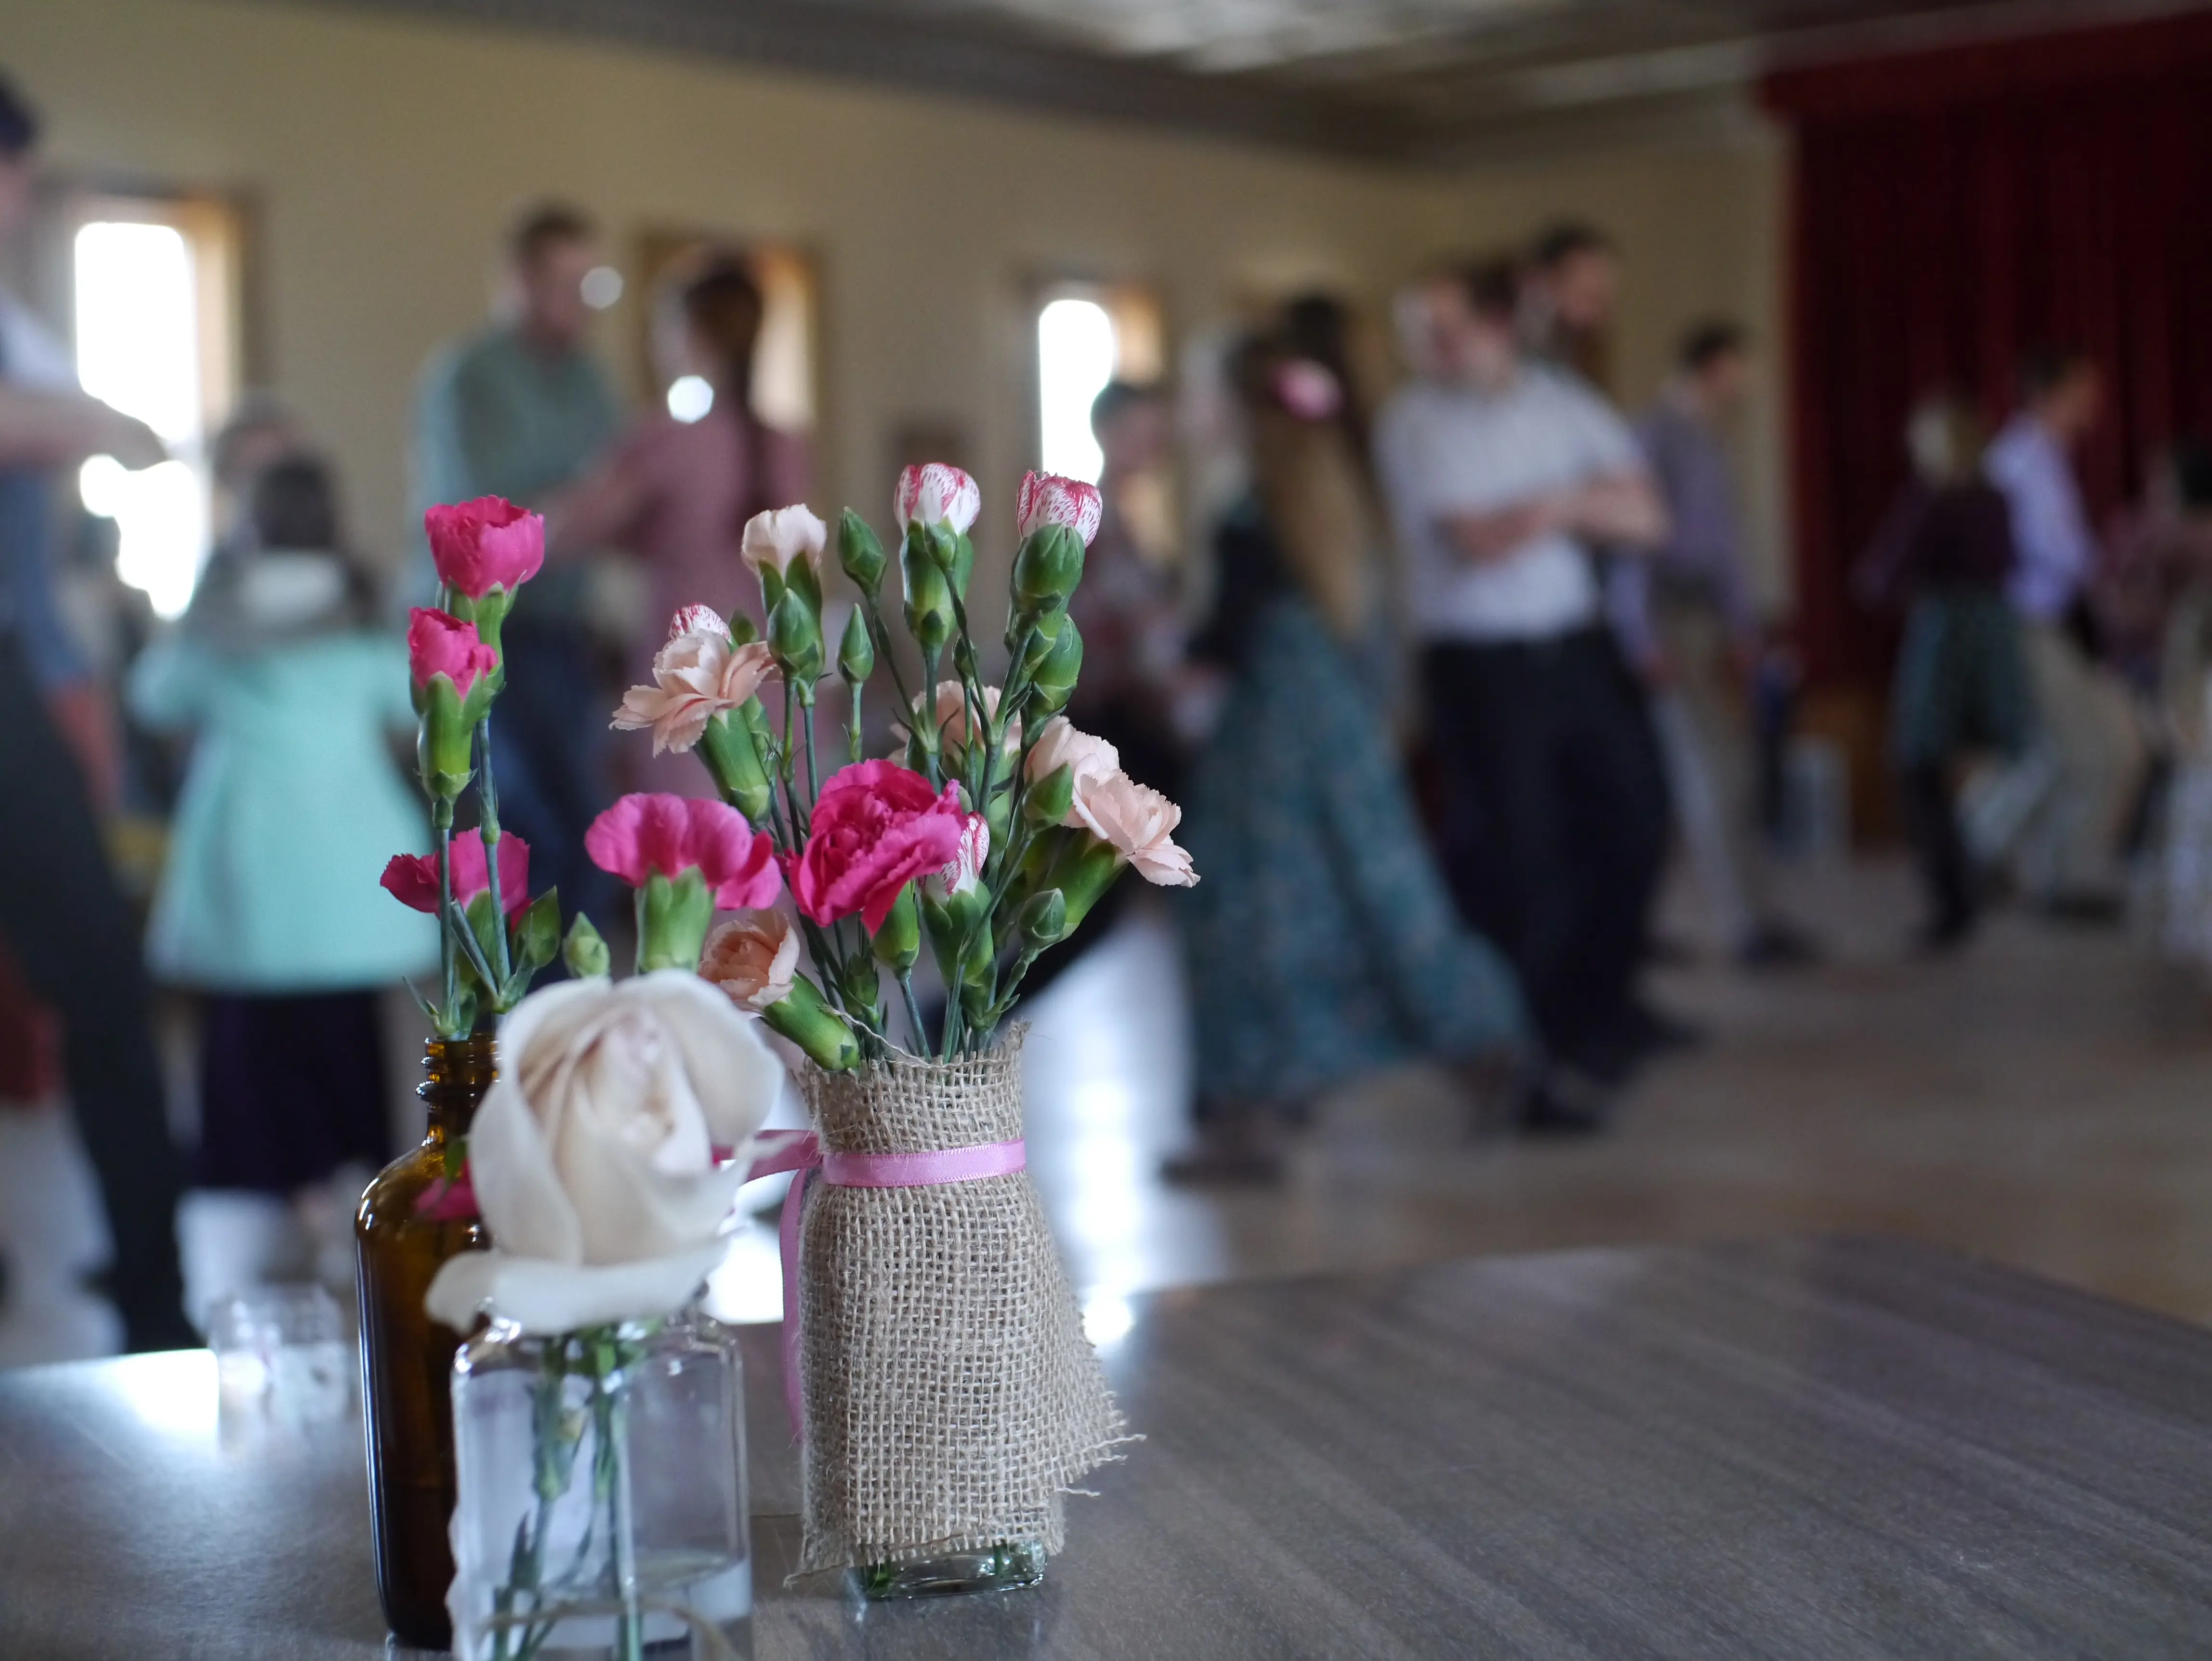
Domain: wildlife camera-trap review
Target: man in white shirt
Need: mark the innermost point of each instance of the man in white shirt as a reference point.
(1498, 472)
(2090, 754)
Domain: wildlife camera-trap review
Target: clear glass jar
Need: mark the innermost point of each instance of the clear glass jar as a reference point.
(602, 1507)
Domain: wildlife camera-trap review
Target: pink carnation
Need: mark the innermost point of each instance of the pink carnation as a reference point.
(1048, 499)
(412, 878)
(642, 834)
(937, 493)
(487, 543)
(440, 643)
(876, 827)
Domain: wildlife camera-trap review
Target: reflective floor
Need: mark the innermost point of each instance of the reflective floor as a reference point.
(2044, 1098)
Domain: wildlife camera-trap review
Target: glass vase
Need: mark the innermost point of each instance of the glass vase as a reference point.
(602, 1506)
(403, 1233)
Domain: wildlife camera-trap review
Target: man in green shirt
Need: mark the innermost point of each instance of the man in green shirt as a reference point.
(518, 410)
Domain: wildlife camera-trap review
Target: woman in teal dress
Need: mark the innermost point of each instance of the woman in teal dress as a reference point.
(292, 803)
(1322, 944)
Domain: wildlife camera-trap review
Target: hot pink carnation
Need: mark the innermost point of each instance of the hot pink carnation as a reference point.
(1049, 499)
(412, 878)
(485, 545)
(440, 643)
(642, 834)
(937, 493)
(876, 827)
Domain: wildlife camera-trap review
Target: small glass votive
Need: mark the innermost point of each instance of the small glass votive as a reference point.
(282, 1356)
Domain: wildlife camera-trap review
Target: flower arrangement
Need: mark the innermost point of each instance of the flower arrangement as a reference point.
(493, 939)
(988, 835)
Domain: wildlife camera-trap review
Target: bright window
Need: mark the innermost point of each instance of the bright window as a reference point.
(1076, 357)
(151, 284)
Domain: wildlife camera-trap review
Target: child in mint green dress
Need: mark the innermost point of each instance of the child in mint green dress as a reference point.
(293, 802)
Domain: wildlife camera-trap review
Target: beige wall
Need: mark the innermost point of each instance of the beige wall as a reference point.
(383, 152)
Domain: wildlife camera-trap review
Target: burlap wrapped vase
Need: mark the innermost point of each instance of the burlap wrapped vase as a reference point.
(952, 1399)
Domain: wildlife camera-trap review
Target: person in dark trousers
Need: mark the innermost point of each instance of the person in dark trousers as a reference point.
(1500, 472)
(1947, 549)
(61, 914)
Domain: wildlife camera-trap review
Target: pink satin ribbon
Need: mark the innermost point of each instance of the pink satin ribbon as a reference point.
(801, 1152)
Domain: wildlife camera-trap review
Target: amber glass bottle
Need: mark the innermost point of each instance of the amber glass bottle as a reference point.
(406, 1358)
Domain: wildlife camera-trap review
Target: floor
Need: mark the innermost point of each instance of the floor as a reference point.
(2044, 1098)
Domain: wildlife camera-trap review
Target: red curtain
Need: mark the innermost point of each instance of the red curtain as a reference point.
(1952, 209)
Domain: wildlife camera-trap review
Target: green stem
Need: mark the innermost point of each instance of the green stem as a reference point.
(852, 726)
(912, 1010)
(441, 814)
(813, 772)
(487, 803)
(883, 653)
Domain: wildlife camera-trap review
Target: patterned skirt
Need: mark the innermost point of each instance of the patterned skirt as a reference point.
(1321, 941)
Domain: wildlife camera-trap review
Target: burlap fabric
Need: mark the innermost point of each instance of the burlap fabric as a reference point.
(951, 1398)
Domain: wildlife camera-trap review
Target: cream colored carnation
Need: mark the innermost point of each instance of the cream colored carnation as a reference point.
(753, 956)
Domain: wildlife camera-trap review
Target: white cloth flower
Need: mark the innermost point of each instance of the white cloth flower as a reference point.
(776, 538)
(593, 1155)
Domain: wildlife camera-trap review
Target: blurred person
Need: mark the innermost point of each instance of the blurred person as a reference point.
(1322, 943)
(676, 494)
(1946, 551)
(520, 409)
(2167, 545)
(2089, 749)
(296, 701)
(1570, 284)
(61, 917)
(1691, 629)
(261, 428)
(1499, 472)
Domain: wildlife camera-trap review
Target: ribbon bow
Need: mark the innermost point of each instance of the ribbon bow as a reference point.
(801, 1151)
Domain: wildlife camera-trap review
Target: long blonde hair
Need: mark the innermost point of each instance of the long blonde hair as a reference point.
(1311, 487)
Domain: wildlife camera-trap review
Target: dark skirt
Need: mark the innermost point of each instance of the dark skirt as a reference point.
(291, 1088)
(1961, 679)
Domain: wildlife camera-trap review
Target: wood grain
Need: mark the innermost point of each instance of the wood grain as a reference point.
(1804, 1449)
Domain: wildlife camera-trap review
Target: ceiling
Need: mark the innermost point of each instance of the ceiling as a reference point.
(1414, 80)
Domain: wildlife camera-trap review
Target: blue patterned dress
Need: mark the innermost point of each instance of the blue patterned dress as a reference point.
(1321, 941)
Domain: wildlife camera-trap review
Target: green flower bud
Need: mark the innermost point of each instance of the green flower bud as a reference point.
(584, 952)
(998, 812)
(672, 919)
(859, 553)
(861, 987)
(741, 632)
(1047, 569)
(929, 596)
(898, 942)
(732, 759)
(444, 742)
(1043, 920)
(856, 653)
(1056, 673)
(794, 637)
(1037, 641)
(1050, 797)
(1083, 871)
(803, 1018)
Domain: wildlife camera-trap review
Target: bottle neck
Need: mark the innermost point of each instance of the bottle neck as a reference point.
(456, 1072)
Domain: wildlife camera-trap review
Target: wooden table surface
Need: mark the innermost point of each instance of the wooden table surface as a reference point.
(1799, 1448)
